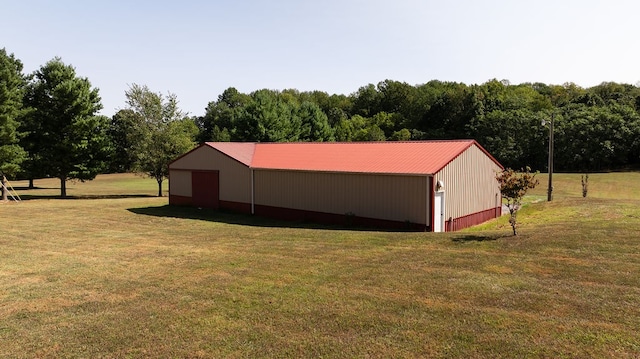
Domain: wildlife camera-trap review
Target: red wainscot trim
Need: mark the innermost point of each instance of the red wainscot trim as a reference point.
(176, 200)
(297, 215)
(239, 207)
(236, 206)
(472, 219)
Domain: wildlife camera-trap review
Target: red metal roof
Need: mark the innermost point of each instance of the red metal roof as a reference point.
(413, 157)
(240, 151)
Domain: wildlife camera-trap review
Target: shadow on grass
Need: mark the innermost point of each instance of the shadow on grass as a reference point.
(26, 188)
(27, 197)
(187, 212)
(479, 237)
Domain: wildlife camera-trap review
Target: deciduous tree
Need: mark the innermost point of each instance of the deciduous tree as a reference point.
(161, 133)
(222, 117)
(314, 123)
(122, 128)
(268, 118)
(514, 186)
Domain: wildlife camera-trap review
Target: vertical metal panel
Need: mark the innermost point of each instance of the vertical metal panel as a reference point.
(430, 203)
(253, 193)
(470, 183)
(235, 177)
(390, 197)
(180, 183)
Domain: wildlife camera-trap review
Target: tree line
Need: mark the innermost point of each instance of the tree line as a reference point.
(50, 126)
(595, 129)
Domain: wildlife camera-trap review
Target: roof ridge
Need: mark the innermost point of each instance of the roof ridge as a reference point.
(360, 142)
(406, 157)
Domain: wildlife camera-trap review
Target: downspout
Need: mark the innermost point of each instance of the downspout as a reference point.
(253, 194)
(432, 196)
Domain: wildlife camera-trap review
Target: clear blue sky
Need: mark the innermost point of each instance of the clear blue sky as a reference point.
(197, 49)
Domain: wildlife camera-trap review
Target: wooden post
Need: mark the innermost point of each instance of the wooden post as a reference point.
(4, 188)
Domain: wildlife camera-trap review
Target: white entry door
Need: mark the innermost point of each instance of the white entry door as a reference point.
(438, 212)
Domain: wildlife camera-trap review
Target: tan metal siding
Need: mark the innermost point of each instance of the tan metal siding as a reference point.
(180, 183)
(235, 178)
(390, 197)
(469, 184)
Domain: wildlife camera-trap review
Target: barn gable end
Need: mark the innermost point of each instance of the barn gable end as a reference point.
(472, 195)
(234, 178)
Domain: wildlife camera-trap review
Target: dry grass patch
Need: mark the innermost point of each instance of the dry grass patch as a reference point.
(132, 277)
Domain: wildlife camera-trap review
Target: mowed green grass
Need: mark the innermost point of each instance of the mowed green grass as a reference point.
(115, 273)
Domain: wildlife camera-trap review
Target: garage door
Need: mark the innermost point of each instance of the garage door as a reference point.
(205, 189)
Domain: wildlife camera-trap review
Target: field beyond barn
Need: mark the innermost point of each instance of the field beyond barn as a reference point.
(115, 272)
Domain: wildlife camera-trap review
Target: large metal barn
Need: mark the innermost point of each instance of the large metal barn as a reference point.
(420, 185)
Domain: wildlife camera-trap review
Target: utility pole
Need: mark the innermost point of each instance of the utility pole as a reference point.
(550, 190)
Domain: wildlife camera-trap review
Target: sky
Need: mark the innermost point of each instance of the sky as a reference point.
(197, 49)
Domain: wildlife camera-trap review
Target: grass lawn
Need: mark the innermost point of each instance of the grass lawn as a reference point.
(116, 273)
